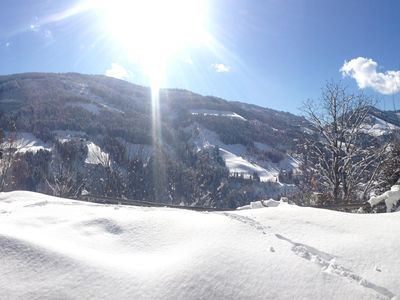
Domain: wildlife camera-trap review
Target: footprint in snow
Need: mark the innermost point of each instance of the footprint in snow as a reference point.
(329, 265)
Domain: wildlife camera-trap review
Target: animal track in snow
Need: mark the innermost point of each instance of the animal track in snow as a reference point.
(323, 259)
(249, 221)
(329, 265)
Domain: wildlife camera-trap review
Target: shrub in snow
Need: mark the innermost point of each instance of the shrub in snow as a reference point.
(390, 198)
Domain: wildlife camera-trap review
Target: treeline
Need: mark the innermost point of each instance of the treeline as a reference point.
(43, 117)
(236, 131)
(183, 177)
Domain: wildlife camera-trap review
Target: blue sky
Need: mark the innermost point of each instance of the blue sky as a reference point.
(272, 53)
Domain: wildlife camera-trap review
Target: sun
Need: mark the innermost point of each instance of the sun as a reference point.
(150, 32)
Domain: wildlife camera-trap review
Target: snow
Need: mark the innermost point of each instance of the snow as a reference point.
(237, 158)
(217, 113)
(261, 204)
(390, 198)
(96, 156)
(82, 89)
(110, 108)
(25, 142)
(94, 107)
(68, 135)
(379, 127)
(235, 155)
(237, 164)
(53, 248)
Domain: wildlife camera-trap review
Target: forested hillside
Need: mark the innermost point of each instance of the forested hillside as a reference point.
(73, 134)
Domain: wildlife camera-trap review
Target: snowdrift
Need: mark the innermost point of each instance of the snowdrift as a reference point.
(391, 198)
(53, 248)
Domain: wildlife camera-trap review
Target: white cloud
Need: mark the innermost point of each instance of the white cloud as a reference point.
(117, 71)
(221, 68)
(364, 71)
(8, 44)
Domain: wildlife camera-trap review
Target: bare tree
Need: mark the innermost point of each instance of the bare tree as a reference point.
(342, 157)
(8, 150)
(63, 183)
(66, 179)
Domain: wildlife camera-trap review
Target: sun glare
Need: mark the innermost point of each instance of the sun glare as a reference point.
(152, 31)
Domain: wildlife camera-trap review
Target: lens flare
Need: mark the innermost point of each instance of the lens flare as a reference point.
(150, 33)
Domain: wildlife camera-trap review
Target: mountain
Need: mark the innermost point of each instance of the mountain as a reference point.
(382, 123)
(76, 133)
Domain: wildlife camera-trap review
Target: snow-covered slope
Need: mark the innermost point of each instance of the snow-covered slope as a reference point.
(96, 156)
(217, 113)
(53, 248)
(236, 158)
(237, 164)
(378, 127)
(24, 142)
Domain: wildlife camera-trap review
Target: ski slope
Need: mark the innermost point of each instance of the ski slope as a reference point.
(238, 160)
(53, 248)
(237, 164)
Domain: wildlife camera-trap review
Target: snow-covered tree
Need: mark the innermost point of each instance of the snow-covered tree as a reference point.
(342, 159)
(8, 150)
(391, 168)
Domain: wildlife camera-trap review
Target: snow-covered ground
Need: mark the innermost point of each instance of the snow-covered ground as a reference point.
(53, 248)
(218, 113)
(96, 156)
(389, 197)
(68, 135)
(24, 142)
(238, 160)
(237, 164)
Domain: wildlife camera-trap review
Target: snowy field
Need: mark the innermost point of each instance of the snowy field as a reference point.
(53, 248)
